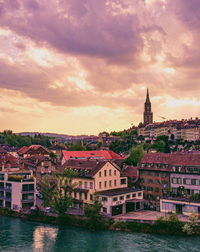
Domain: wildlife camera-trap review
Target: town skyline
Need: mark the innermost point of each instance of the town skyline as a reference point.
(83, 68)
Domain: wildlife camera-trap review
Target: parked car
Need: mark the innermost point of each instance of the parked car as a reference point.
(47, 210)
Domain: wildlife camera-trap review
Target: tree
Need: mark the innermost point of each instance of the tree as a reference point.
(136, 154)
(57, 191)
(95, 219)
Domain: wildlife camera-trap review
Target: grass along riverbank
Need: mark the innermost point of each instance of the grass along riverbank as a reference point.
(165, 226)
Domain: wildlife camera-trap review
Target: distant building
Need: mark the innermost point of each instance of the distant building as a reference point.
(17, 190)
(33, 150)
(148, 114)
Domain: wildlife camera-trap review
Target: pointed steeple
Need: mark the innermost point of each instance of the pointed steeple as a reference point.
(147, 97)
(148, 115)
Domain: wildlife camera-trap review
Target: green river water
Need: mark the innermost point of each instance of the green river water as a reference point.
(24, 236)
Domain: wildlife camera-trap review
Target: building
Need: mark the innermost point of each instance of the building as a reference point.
(180, 206)
(17, 190)
(101, 179)
(89, 155)
(188, 130)
(163, 173)
(33, 150)
(148, 114)
(121, 201)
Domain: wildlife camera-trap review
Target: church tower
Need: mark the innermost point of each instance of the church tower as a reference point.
(148, 115)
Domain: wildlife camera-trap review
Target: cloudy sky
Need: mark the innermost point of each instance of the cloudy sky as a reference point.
(83, 66)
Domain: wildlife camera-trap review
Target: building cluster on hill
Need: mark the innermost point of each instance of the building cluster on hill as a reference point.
(188, 130)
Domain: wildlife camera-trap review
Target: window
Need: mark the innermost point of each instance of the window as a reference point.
(105, 183)
(115, 199)
(157, 189)
(121, 197)
(110, 172)
(134, 195)
(123, 181)
(149, 173)
(128, 196)
(100, 185)
(80, 184)
(86, 185)
(99, 174)
(110, 183)
(28, 187)
(193, 181)
(91, 197)
(142, 180)
(91, 185)
(174, 180)
(80, 195)
(115, 182)
(104, 199)
(140, 194)
(105, 173)
(1, 185)
(85, 194)
(150, 181)
(157, 181)
(104, 209)
(115, 173)
(157, 174)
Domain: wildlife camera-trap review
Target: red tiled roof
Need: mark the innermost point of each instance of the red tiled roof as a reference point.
(130, 171)
(99, 154)
(24, 149)
(177, 158)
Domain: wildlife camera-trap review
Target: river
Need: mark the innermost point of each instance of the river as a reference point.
(24, 236)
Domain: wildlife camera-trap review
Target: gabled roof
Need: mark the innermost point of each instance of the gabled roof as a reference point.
(26, 149)
(96, 154)
(23, 150)
(86, 168)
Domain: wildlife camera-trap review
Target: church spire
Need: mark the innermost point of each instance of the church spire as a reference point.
(148, 115)
(147, 97)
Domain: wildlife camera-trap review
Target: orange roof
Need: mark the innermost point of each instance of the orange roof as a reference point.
(97, 154)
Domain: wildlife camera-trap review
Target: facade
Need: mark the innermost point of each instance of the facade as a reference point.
(179, 206)
(121, 201)
(95, 178)
(148, 115)
(17, 190)
(162, 173)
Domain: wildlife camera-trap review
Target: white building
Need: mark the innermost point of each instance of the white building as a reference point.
(121, 201)
(17, 190)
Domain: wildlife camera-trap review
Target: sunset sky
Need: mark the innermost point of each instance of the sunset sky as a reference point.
(83, 66)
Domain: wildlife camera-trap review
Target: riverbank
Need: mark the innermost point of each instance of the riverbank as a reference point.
(171, 226)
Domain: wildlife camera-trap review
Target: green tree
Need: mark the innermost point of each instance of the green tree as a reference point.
(93, 212)
(136, 154)
(57, 191)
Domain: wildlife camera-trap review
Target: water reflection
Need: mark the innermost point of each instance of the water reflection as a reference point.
(44, 238)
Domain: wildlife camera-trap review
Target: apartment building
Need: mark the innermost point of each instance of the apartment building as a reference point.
(101, 179)
(17, 190)
(160, 173)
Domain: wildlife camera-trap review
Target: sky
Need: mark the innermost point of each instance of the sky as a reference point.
(83, 66)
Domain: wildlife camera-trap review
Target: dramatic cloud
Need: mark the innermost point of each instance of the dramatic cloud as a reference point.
(94, 59)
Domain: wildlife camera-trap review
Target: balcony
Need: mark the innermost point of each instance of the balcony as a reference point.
(20, 178)
(27, 200)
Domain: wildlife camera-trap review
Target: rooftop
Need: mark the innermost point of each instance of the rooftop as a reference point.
(115, 192)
